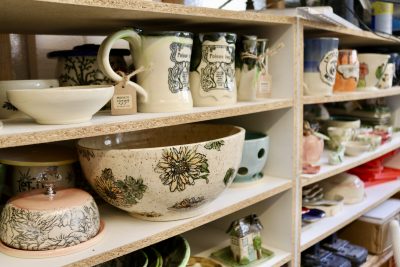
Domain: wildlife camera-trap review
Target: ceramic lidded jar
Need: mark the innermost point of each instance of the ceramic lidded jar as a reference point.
(79, 65)
(24, 164)
(212, 69)
(43, 220)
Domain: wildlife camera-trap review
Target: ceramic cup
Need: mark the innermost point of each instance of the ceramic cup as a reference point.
(395, 59)
(254, 157)
(7, 110)
(212, 69)
(338, 136)
(347, 72)
(320, 60)
(247, 72)
(372, 67)
(163, 86)
(386, 80)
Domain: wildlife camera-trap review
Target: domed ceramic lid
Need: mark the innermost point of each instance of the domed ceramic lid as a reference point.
(38, 155)
(85, 51)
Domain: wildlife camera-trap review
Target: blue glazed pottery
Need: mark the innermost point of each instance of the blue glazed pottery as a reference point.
(254, 157)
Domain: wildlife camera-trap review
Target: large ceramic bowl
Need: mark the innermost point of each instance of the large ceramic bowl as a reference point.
(166, 173)
(61, 105)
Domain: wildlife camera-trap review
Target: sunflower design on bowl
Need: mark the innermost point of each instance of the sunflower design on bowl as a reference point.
(181, 167)
(188, 203)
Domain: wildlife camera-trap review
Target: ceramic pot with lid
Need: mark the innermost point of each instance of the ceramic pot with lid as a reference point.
(79, 65)
(43, 220)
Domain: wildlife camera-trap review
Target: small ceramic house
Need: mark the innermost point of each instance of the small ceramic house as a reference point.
(246, 239)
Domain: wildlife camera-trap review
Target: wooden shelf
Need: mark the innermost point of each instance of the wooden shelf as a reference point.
(375, 195)
(104, 16)
(125, 234)
(349, 162)
(378, 260)
(357, 95)
(24, 131)
(207, 239)
(348, 37)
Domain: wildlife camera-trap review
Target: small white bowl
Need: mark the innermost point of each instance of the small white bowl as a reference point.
(355, 148)
(61, 105)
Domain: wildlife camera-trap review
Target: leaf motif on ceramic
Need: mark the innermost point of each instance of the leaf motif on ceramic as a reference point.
(188, 203)
(214, 145)
(85, 153)
(121, 193)
(42, 231)
(7, 105)
(181, 167)
(229, 175)
(151, 214)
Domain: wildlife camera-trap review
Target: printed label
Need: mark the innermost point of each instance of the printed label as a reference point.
(122, 101)
(349, 71)
(178, 75)
(218, 68)
(327, 67)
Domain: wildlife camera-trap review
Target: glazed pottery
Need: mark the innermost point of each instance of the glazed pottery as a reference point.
(247, 76)
(212, 69)
(343, 122)
(395, 59)
(255, 154)
(154, 257)
(349, 186)
(338, 136)
(372, 67)
(79, 65)
(62, 105)
(355, 148)
(175, 251)
(264, 82)
(202, 262)
(320, 60)
(163, 86)
(386, 80)
(371, 139)
(26, 163)
(347, 72)
(7, 110)
(167, 178)
(47, 220)
(313, 147)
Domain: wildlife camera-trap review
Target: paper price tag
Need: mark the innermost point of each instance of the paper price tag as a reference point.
(124, 100)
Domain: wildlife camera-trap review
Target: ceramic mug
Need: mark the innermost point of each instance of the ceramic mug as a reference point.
(7, 110)
(164, 84)
(372, 67)
(247, 71)
(254, 157)
(347, 72)
(386, 81)
(212, 69)
(338, 136)
(320, 60)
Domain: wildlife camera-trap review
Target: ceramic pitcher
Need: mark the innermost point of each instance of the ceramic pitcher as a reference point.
(212, 69)
(163, 86)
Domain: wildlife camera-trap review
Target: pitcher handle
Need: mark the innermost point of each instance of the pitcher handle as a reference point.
(104, 54)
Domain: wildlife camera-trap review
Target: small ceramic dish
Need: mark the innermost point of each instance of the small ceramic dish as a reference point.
(355, 148)
(371, 139)
(175, 251)
(202, 262)
(313, 215)
(61, 105)
(343, 122)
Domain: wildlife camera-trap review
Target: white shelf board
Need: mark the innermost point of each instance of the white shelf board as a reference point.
(207, 239)
(349, 162)
(17, 132)
(375, 195)
(124, 234)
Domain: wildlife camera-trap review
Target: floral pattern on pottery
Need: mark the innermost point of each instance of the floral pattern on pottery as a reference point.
(8, 106)
(151, 214)
(39, 230)
(229, 175)
(188, 203)
(124, 193)
(214, 145)
(87, 154)
(181, 167)
(364, 71)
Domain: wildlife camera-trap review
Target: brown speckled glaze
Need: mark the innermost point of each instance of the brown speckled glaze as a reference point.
(174, 163)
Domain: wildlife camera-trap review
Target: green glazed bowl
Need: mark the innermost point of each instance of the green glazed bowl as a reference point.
(175, 251)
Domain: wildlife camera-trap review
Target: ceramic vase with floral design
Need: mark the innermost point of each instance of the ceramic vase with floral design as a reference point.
(166, 178)
(372, 67)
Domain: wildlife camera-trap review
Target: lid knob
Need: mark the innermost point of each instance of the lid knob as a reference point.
(49, 180)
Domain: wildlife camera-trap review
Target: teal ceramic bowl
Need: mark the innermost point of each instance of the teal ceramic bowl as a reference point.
(254, 157)
(175, 251)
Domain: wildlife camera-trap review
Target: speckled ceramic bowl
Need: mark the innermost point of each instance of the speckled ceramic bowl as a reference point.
(166, 173)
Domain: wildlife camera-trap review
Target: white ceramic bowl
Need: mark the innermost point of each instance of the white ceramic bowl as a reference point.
(166, 173)
(355, 148)
(62, 105)
(7, 110)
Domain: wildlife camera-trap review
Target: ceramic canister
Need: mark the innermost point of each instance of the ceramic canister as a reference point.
(163, 83)
(79, 66)
(372, 67)
(25, 164)
(347, 73)
(320, 60)
(254, 157)
(212, 69)
(7, 110)
(246, 58)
